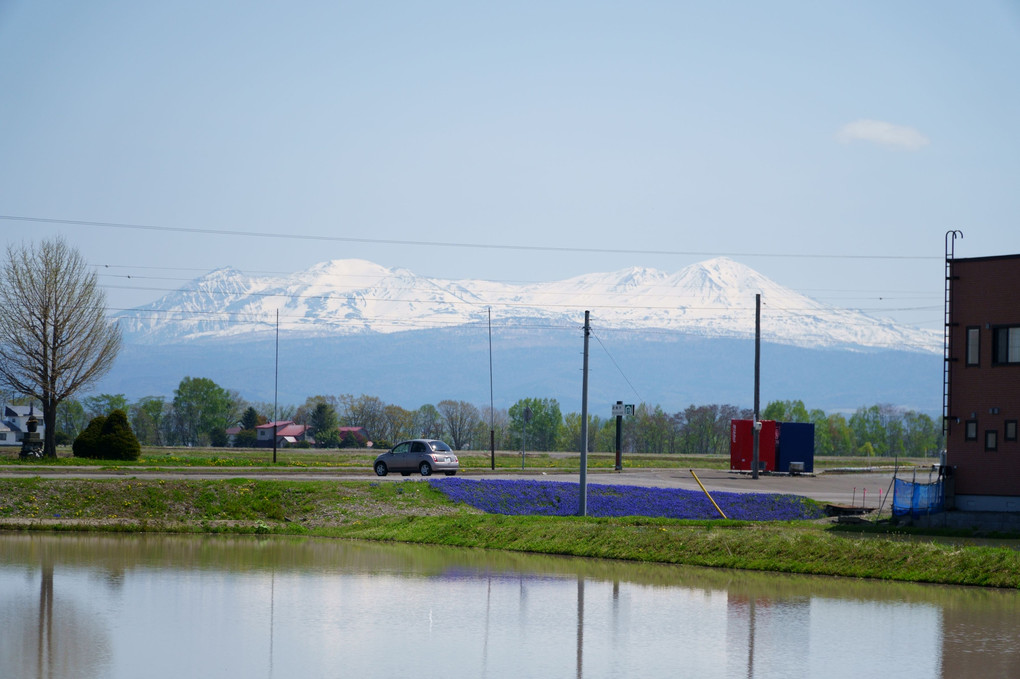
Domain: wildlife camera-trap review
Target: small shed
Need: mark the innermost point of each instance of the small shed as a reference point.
(795, 447)
(742, 445)
(782, 446)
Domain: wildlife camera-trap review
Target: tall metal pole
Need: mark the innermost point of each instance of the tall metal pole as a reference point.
(582, 496)
(276, 381)
(492, 411)
(756, 428)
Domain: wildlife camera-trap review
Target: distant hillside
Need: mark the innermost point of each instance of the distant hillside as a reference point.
(426, 366)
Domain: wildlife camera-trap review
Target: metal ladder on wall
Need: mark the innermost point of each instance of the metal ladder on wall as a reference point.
(947, 354)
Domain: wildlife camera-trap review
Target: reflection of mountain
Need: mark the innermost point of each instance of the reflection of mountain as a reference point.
(183, 602)
(51, 636)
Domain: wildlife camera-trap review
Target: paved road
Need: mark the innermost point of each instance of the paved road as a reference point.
(838, 488)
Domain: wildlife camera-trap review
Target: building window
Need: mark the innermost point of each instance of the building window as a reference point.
(1006, 345)
(3, 436)
(973, 345)
(1010, 433)
(970, 431)
(991, 440)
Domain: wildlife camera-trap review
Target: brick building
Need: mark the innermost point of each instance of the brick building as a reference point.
(982, 397)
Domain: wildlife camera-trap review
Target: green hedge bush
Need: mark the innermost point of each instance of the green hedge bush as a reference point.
(108, 438)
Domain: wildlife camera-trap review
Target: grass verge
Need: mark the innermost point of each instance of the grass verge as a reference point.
(361, 459)
(416, 513)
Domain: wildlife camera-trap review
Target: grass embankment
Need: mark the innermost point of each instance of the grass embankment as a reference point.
(415, 512)
(360, 459)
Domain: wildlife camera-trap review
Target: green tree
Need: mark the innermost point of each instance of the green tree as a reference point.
(324, 425)
(303, 415)
(250, 418)
(922, 434)
(653, 430)
(147, 418)
(878, 427)
(498, 420)
(428, 423)
(108, 437)
(399, 423)
(706, 429)
(116, 440)
(71, 418)
(605, 436)
(87, 444)
(55, 338)
(786, 411)
(362, 411)
(203, 408)
(839, 435)
(570, 433)
(542, 428)
(104, 404)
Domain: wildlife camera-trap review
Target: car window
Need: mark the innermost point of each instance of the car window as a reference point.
(402, 447)
(439, 446)
(418, 447)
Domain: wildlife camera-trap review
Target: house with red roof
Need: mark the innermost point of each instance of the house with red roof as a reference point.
(359, 434)
(287, 434)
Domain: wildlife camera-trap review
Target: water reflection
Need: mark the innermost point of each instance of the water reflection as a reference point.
(170, 606)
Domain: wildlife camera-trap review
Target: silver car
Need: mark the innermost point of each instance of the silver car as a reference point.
(420, 455)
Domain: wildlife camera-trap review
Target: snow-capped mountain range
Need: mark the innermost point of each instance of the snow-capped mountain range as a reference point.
(714, 298)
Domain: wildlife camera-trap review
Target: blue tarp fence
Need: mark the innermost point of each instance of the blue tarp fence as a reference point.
(917, 499)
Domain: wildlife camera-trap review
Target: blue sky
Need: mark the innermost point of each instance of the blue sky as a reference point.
(829, 145)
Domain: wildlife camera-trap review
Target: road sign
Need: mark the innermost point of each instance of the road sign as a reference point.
(620, 409)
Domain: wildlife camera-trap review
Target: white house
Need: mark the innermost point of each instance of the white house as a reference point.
(15, 424)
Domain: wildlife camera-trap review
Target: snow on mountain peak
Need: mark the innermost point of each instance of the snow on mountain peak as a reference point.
(713, 298)
(369, 272)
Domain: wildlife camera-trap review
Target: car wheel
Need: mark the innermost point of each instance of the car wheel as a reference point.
(380, 468)
(425, 469)
(450, 473)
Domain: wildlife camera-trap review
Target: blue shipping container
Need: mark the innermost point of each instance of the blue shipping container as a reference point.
(796, 443)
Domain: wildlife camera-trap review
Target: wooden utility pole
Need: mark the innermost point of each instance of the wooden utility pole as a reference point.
(276, 381)
(582, 496)
(492, 411)
(756, 428)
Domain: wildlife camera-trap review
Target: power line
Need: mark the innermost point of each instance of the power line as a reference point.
(882, 295)
(618, 368)
(445, 244)
(589, 296)
(874, 294)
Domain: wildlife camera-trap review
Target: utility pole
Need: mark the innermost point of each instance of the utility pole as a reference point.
(619, 436)
(492, 412)
(582, 496)
(525, 418)
(756, 428)
(276, 381)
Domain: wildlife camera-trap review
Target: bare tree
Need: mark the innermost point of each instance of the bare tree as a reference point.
(55, 338)
(460, 418)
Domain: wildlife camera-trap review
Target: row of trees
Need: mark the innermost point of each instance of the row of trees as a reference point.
(201, 411)
(55, 341)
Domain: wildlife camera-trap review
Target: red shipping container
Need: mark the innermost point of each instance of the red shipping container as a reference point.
(742, 445)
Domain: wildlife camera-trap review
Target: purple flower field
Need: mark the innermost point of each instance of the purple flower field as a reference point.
(560, 499)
